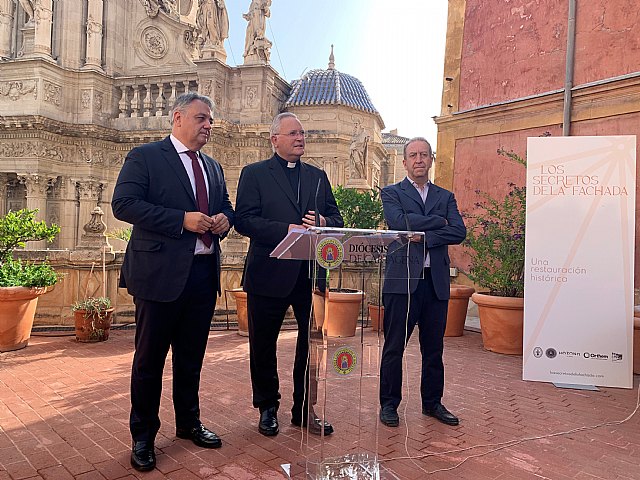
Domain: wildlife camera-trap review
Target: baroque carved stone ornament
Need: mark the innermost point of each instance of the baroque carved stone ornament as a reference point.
(17, 89)
(52, 93)
(85, 99)
(153, 7)
(154, 42)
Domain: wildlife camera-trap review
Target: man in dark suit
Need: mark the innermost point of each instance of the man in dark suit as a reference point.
(275, 196)
(417, 278)
(176, 198)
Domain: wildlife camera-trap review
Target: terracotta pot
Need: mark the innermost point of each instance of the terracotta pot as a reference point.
(501, 322)
(17, 309)
(636, 341)
(91, 327)
(241, 309)
(376, 314)
(457, 312)
(341, 319)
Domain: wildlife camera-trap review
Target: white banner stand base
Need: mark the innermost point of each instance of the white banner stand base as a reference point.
(576, 386)
(355, 466)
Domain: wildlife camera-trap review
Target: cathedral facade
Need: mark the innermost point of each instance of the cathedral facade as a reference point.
(83, 82)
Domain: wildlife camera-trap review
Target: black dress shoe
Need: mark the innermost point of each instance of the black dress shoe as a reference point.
(439, 412)
(389, 416)
(316, 425)
(201, 436)
(269, 422)
(143, 457)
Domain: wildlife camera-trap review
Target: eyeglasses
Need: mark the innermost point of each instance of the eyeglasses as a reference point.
(293, 133)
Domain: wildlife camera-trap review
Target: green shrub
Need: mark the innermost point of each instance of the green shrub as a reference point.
(97, 306)
(495, 238)
(359, 209)
(14, 273)
(17, 228)
(120, 234)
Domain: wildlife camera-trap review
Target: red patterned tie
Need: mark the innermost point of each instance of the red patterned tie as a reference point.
(201, 194)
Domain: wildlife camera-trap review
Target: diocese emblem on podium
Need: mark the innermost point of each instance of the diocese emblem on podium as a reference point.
(344, 360)
(329, 253)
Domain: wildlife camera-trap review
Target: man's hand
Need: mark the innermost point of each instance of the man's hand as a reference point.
(309, 219)
(220, 223)
(197, 222)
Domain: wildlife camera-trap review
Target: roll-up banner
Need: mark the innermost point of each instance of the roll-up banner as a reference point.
(579, 260)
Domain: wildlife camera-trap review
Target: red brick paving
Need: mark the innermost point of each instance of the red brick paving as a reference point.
(64, 410)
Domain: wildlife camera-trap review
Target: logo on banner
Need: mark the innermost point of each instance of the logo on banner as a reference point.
(596, 356)
(551, 353)
(569, 353)
(344, 360)
(329, 253)
(537, 352)
(616, 357)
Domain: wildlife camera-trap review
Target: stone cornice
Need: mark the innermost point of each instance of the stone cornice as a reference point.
(598, 100)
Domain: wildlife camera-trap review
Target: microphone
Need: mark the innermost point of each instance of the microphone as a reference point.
(315, 206)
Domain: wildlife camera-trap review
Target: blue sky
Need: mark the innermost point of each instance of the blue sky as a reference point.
(395, 48)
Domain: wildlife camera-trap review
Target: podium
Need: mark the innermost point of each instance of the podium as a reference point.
(343, 386)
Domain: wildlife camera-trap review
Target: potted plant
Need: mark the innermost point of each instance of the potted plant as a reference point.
(92, 319)
(21, 283)
(495, 238)
(359, 210)
(457, 309)
(240, 296)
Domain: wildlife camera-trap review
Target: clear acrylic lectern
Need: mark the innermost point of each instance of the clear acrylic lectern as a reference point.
(344, 370)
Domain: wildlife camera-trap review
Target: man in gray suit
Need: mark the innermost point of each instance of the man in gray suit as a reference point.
(417, 279)
(176, 198)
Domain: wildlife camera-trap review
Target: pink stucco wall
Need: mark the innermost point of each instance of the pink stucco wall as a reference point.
(516, 48)
(511, 49)
(479, 167)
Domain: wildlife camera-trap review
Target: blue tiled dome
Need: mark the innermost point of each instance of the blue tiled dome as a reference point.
(330, 87)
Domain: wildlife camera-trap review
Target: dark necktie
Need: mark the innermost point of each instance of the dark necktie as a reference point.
(201, 194)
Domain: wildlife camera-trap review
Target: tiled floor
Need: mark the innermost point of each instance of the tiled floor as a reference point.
(64, 414)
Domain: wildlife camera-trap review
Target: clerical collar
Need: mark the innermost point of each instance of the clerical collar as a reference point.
(286, 164)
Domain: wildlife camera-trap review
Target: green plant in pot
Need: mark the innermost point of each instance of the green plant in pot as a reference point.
(359, 210)
(21, 283)
(495, 241)
(92, 319)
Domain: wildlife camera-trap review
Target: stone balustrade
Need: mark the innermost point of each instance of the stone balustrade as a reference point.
(96, 274)
(151, 96)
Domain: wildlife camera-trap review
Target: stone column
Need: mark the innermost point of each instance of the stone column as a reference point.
(36, 186)
(65, 192)
(6, 23)
(3, 193)
(44, 21)
(88, 194)
(93, 59)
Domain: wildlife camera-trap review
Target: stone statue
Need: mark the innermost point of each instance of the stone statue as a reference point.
(28, 7)
(255, 42)
(358, 151)
(152, 7)
(168, 6)
(212, 22)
